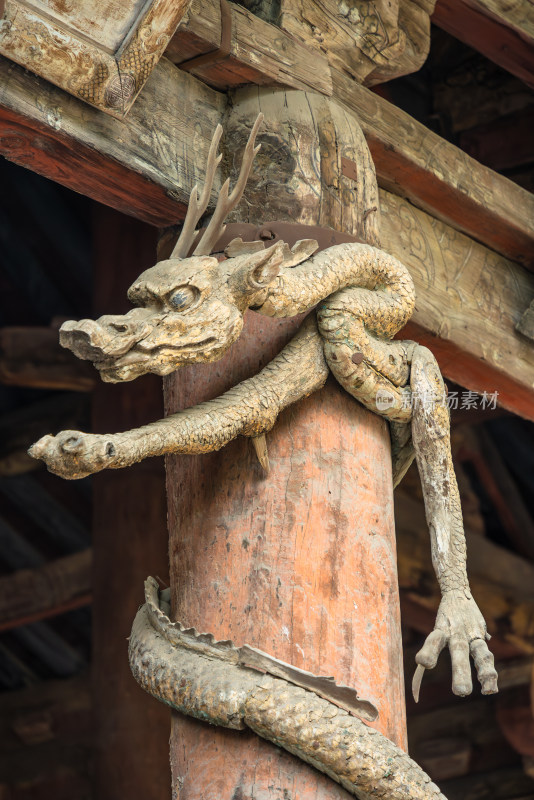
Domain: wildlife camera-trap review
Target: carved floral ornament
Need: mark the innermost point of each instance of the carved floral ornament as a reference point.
(189, 309)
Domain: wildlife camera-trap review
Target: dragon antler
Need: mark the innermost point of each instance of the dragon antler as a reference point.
(197, 205)
(226, 202)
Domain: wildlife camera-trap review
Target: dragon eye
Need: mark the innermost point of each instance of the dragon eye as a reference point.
(183, 298)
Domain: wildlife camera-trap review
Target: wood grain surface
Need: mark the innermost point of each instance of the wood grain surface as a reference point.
(300, 563)
(502, 31)
(101, 52)
(130, 758)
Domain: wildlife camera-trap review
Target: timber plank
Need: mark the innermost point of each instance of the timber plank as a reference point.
(469, 300)
(143, 167)
(260, 53)
(32, 356)
(500, 30)
(414, 162)
(33, 594)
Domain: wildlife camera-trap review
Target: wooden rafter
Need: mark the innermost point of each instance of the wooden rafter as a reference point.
(32, 356)
(502, 31)
(33, 594)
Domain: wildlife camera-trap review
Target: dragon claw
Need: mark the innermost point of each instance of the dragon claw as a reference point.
(73, 454)
(460, 627)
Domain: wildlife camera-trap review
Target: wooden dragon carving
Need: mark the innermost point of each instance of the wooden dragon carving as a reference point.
(190, 309)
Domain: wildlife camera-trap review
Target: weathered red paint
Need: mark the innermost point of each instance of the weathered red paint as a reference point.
(301, 564)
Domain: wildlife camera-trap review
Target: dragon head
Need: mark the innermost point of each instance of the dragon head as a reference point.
(188, 310)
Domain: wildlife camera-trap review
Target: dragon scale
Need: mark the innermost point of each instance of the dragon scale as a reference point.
(200, 677)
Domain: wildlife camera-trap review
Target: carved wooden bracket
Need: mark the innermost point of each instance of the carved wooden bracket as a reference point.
(101, 52)
(372, 41)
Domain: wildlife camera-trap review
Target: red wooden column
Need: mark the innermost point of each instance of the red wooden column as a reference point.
(300, 563)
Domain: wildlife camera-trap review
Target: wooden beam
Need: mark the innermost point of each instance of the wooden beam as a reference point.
(500, 30)
(258, 52)
(373, 43)
(410, 159)
(33, 357)
(526, 323)
(469, 300)
(414, 162)
(101, 52)
(144, 167)
(23, 426)
(33, 594)
(131, 730)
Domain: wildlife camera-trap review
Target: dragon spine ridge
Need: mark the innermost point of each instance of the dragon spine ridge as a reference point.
(195, 674)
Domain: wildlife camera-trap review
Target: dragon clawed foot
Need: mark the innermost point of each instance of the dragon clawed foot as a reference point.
(73, 454)
(459, 626)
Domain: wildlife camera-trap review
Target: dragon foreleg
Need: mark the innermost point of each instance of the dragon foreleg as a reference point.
(459, 625)
(248, 409)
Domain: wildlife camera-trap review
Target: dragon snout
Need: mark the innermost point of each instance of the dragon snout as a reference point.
(86, 338)
(94, 340)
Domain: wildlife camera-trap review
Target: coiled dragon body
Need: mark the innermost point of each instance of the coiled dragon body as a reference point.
(203, 678)
(190, 309)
